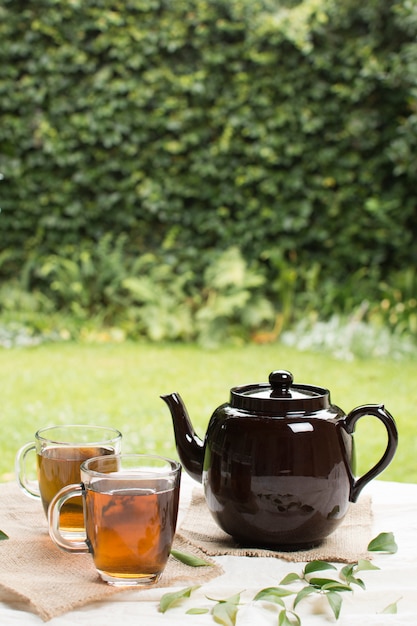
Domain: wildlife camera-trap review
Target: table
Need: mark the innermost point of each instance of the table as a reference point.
(395, 509)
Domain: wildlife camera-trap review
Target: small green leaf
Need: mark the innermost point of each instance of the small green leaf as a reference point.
(225, 613)
(347, 571)
(288, 618)
(384, 542)
(3, 535)
(170, 599)
(305, 591)
(353, 580)
(197, 611)
(332, 585)
(391, 609)
(335, 602)
(364, 564)
(290, 578)
(328, 583)
(317, 566)
(235, 599)
(273, 594)
(189, 559)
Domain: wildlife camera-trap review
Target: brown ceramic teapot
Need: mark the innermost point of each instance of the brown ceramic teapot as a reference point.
(277, 461)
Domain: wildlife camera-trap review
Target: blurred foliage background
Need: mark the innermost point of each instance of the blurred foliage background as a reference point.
(209, 171)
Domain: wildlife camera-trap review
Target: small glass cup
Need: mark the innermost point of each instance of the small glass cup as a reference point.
(60, 450)
(130, 514)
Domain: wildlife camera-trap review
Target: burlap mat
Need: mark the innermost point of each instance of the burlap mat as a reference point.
(347, 544)
(51, 582)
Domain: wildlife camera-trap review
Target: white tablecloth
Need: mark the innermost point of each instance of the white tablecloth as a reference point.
(395, 510)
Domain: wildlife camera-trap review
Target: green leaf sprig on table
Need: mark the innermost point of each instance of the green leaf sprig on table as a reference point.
(225, 611)
(3, 535)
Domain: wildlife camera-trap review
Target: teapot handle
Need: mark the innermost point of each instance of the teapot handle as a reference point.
(380, 412)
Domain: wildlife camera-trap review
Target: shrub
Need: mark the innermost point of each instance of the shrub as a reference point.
(190, 128)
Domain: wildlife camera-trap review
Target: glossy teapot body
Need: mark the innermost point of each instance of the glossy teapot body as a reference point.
(283, 482)
(277, 462)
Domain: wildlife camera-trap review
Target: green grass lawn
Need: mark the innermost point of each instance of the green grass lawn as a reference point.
(120, 385)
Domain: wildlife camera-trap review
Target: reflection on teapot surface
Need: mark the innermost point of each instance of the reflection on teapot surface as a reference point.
(277, 461)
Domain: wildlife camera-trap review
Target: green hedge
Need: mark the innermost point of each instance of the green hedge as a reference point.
(286, 129)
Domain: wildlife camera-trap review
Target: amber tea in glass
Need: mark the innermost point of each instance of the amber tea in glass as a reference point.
(60, 450)
(130, 513)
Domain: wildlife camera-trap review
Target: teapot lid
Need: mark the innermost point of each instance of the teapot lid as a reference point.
(280, 396)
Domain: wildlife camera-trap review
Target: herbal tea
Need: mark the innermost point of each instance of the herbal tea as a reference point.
(60, 466)
(130, 530)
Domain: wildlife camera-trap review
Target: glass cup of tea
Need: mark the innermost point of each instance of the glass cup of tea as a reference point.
(60, 450)
(130, 510)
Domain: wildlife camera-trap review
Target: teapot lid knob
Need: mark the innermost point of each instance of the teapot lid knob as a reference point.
(281, 381)
(279, 396)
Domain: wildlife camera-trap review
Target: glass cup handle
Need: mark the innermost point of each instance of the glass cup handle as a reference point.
(29, 487)
(54, 514)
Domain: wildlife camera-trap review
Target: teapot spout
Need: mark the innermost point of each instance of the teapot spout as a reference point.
(189, 446)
